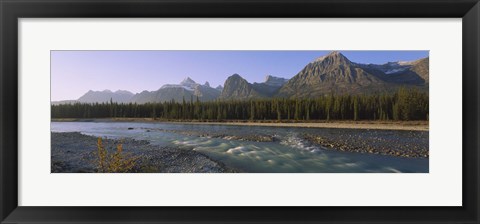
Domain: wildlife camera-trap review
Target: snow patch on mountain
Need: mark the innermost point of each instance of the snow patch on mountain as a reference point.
(188, 82)
(167, 86)
(395, 70)
(274, 81)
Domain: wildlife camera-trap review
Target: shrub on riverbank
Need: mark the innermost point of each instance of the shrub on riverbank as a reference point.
(114, 162)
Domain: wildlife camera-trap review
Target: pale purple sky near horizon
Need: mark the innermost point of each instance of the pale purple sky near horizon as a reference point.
(73, 73)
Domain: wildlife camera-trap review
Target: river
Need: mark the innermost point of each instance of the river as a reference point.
(288, 153)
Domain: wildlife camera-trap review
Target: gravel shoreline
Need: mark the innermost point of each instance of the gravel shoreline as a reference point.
(73, 152)
(374, 125)
(339, 125)
(376, 145)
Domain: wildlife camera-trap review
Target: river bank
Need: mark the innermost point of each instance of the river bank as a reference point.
(73, 152)
(375, 125)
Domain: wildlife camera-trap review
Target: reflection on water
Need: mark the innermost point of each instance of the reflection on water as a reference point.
(287, 153)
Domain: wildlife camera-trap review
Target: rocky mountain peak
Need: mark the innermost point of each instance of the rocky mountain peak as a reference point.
(235, 76)
(268, 77)
(187, 81)
(274, 81)
(333, 58)
(123, 92)
(207, 84)
(236, 87)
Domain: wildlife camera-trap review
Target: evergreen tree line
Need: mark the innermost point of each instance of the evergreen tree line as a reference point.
(405, 104)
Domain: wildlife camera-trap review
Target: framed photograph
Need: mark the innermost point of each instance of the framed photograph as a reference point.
(248, 112)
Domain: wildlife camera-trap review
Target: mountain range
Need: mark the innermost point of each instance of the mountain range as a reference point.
(332, 73)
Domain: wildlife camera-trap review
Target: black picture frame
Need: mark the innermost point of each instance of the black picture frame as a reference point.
(12, 10)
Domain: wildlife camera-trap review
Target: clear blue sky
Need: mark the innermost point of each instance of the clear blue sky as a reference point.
(73, 73)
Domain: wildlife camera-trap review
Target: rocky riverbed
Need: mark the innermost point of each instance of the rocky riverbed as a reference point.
(373, 144)
(73, 152)
(347, 141)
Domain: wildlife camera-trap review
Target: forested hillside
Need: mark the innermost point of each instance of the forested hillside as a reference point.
(404, 104)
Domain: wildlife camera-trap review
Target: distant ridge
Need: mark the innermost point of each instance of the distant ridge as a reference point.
(187, 90)
(119, 96)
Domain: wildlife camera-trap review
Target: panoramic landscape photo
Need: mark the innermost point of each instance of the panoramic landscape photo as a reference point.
(240, 111)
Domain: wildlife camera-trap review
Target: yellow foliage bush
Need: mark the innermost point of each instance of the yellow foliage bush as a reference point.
(116, 162)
